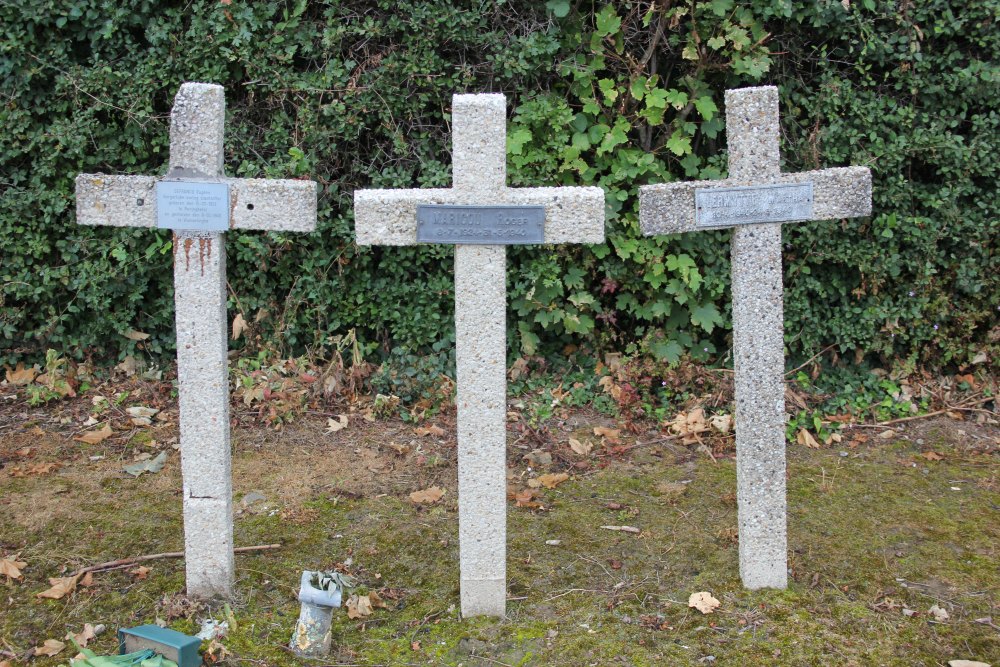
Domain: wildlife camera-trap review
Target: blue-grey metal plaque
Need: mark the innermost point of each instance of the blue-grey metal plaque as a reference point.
(480, 225)
(725, 207)
(192, 206)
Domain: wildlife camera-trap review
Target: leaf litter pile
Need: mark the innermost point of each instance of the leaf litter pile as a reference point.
(621, 531)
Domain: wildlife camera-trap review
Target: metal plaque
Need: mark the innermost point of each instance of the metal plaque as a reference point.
(480, 225)
(725, 207)
(192, 206)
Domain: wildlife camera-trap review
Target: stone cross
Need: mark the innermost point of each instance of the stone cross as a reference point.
(390, 217)
(199, 203)
(754, 200)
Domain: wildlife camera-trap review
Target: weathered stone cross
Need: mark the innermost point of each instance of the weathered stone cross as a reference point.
(757, 192)
(200, 203)
(560, 215)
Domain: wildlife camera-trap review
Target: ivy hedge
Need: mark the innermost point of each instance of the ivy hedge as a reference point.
(355, 94)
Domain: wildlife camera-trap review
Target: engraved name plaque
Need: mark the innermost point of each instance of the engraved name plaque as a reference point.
(192, 206)
(480, 225)
(725, 207)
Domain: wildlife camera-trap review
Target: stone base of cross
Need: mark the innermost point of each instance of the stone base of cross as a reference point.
(755, 200)
(200, 203)
(389, 217)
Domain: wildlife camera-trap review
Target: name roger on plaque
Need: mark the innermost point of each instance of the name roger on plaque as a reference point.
(192, 206)
(723, 207)
(486, 225)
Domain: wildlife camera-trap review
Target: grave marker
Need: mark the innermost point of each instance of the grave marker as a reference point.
(754, 200)
(199, 203)
(393, 217)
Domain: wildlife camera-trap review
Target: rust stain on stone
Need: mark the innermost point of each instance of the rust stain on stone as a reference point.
(188, 242)
(204, 251)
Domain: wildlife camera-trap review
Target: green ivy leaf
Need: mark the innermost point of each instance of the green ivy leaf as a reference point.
(668, 350)
(608, 22)
(517, 139)
(706, 107)
(679, 144)
(706, 316)
(559, 8)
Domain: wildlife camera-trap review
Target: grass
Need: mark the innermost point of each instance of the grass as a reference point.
(870, 534)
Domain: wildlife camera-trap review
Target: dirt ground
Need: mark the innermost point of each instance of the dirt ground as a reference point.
(893, 543)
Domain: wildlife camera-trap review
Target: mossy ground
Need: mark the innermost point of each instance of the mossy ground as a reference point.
(872, 533)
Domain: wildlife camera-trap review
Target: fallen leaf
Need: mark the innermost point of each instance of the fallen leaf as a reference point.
(427, 496)
(61, 587)
(932, 456)
(23, 453)
(538, 457)
(609, 434)
(10, 567)
(215, 652)
(623, 529)
(527, 498)
(415, 646)
(401, 450)
(141, 412)
(50, 647)
(334, 425)
(96, 437)
(132, 334)
(581, 448)
(887, 434)
(804, 437)
(552, 480)
(152, 465)
(21, 376)
(967, 663)
(128, 366)
(140, 572)
(703, 602)
(359, 606)
(239, 326)
(84, 636)
(433, 429)
(87, 581)
(938, 613)
(689, 425)
(377, 602)
(721, 423)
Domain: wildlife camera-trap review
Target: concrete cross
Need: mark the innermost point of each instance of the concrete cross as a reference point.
(754, 200)
(389, 217)
(195, 194)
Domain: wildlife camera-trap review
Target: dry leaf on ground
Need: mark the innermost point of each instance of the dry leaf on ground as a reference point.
(21, 376)
(132, 334)
(932, 456)
(609, 434)
(804, 437)
(334, 425)
(427, 496)
(60, 587)
(703, 602)
(689, 425)
(527, 498)
(359, 606)
(938, 613)
(581, 448)
(96, 437)
(50, 647)
(140, 572)
(552, 480)
(721, 423)
(377, 602)
(967, 663)
(10, 567)
(433, 429)
(84, 636)
(887, 435)
(671, 489)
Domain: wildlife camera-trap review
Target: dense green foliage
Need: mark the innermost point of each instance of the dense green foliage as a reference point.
(355, 94)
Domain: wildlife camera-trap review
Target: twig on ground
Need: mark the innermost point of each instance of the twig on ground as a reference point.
(125, 562)
(809, 360)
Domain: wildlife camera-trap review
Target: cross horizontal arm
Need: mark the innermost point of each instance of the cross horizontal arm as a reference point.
(116, 201)
(389, 217)
(276, 205)
(842, 192)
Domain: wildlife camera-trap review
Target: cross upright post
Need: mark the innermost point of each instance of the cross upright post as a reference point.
(754, 201)
(481, 215)
(200, 204)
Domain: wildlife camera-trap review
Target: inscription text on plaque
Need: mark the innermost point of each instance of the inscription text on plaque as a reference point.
(724, 207)
(485, 225)
(194, 206)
